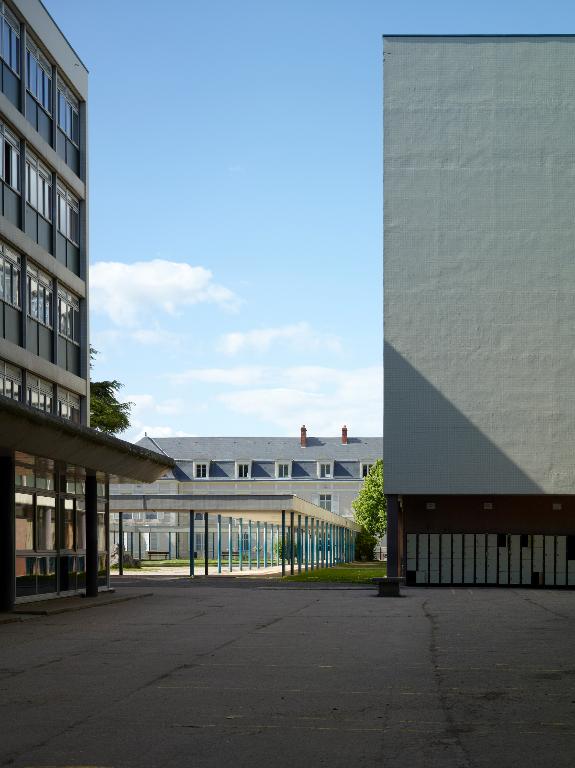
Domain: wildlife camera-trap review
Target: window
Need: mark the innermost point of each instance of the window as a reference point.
(68, 405)
(324, 469)
(68, 113)
(243, 469)
(10, 39)
(38, 186)
(10, 158)
(365, 467)
(68, 215)
(325, 501)
(9, 276)
(39, 393)
(200, 470)
(38, 77)
(40, 295)
(68, 315)
(10, 381)
(283, 469)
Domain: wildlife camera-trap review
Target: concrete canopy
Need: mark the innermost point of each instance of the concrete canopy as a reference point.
(26, 429)
(263, 507)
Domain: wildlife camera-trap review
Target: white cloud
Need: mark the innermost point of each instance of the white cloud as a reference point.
(299, 335)
(128, 293)
(322, 398)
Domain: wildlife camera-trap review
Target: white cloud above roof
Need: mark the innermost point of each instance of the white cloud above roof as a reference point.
(260, 340)
(129, 293)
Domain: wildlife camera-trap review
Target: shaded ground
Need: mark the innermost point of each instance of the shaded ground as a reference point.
(358, 573)
(209, 673)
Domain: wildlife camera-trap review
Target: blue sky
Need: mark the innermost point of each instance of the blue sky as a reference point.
(236, 202)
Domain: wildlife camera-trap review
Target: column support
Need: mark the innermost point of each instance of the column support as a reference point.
(392, 535)
(291, 543)
(241, 542)
(91, 500)
(230, 547)
(257, 544)
(306, 543)
(120, 544)
(192, 546)
(265, 545)
(249, 545)
(219, 543)
(7, 532)
(206, 543)
(299, 544)
(283, 542)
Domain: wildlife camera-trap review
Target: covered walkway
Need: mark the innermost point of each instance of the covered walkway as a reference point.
(233, 533)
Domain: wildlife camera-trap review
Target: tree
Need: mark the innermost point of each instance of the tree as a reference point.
(370, 506)
(107, 413)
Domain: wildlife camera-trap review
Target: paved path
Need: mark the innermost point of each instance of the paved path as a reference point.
(261, 674)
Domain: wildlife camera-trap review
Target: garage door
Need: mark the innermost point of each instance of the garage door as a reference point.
(490, 558)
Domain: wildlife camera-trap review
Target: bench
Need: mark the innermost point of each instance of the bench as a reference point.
(388, 586)
(158, 554)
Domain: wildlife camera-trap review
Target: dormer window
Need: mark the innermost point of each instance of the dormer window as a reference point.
(283, 470)
(365, 468)
(243, 470)
(201, 470)
(325, 469)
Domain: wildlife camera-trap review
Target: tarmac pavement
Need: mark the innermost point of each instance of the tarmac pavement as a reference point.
(258, 673)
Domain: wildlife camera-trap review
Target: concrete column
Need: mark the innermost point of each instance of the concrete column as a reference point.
(249, 545)
(265, 545)
(306, 543)
(91, 499)
(206, 547)
(7, 532)
(393, 535)
(258, 544)
(299, 544)
(192, 542)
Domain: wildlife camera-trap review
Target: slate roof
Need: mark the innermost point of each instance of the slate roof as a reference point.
(219, 449)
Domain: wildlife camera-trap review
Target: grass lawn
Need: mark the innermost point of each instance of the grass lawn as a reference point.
(357, 573)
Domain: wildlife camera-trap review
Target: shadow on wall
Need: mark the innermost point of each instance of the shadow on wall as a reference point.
(431, 447)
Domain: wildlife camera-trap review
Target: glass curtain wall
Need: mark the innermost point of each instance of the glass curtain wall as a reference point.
(51, 528)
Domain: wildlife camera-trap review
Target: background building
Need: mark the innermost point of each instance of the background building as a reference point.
(54, 471)
(479, 154)
(325, 471)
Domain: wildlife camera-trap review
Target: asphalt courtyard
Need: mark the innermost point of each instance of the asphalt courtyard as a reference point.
(255, 673)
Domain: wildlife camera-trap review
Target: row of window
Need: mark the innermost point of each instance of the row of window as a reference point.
(40, 292)
(39, 186)
(38, 75)
(283, 470)
(39, 393)
(10, 44)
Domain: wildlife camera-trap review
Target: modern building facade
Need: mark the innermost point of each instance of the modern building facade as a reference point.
(479, 154)
(324, 472)
(47, 493)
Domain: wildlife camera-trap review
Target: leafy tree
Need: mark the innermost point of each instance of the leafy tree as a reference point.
(370, 506)
(365, 545)
(107, 413)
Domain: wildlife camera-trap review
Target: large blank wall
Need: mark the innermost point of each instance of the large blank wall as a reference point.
(479, 253)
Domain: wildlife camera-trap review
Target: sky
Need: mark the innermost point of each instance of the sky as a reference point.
(236, 279)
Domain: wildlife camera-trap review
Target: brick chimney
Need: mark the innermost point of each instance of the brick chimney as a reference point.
(303, 438)
(344, 435)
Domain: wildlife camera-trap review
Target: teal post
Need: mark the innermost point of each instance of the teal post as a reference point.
(219, 543)
(249, 545)
(258, 544)
(241, 543)
(306, 543)
(283, 542)
(299, 544)
(291, 542)
(192, 541)
(311, 540)
(230, 547)
(169, 545)
(265, 545)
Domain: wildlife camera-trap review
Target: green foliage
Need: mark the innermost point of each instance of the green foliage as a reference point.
(370, 506)
(107, 414)
(364, 545)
